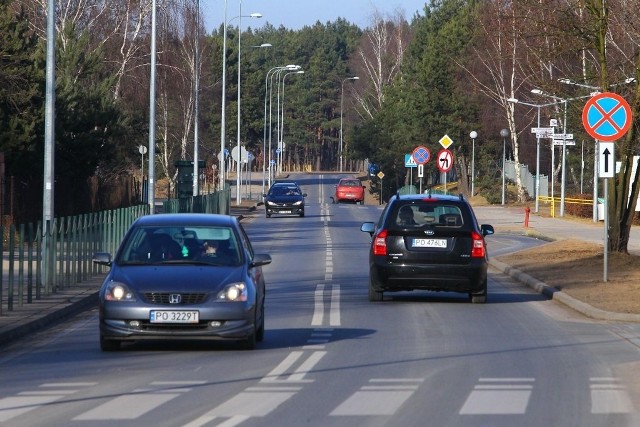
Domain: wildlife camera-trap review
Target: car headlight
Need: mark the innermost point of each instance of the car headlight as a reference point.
(297, 203)
(269, 203)
(233, 293)
(116, 291)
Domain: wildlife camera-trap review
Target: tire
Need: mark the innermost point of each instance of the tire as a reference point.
(302, 214)
(362, 202)
(479, 298)
(374, 296)
(260, 328)
(268, 215)
(249, 343)
(109, 345)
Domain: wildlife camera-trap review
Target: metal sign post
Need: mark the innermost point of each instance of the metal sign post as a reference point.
(606, 117)
(606, 171)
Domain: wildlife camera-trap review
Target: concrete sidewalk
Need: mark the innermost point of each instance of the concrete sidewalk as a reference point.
(62, 304)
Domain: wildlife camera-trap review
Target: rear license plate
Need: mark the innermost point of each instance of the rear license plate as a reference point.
(429, 243)
(173, 316)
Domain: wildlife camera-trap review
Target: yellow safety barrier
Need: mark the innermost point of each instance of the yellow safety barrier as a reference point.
(554, 200)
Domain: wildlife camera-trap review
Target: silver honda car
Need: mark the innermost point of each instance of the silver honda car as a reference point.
(183, 276)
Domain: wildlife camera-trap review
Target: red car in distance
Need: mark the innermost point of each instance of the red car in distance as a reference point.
(349, 190)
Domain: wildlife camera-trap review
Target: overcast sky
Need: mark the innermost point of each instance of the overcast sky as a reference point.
(295, 14)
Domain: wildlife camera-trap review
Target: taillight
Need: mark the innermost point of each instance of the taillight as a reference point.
(380, 243)
(478, 249)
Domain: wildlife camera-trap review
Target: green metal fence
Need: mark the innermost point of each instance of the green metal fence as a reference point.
(68, 244)
(214, 203)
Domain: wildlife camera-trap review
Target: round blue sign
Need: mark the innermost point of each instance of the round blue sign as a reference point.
(606, 116)
(421, 155)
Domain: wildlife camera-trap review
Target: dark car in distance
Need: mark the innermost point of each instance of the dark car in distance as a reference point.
(284, 198)
(428, 242)
(349, 190)
(183, 276)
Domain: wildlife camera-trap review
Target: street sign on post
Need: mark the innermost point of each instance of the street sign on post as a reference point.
(606, 116)
(445, 160)
(409, 161)
(421, 155)
(445, 141)
(606, 159)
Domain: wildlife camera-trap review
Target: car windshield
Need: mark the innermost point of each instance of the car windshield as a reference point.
(350, 183)
(284, 191)
(428, 214)
(176, 245)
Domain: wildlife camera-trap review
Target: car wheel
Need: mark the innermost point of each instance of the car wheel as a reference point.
(362, 202)
(268, 215)
(249, 343)
(109, 345)
(479, 298)
(260, 328)
(302, 214)
(374, 295)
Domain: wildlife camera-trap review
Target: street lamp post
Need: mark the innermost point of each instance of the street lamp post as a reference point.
(239, 167)
(281, 138)
(473, 135)
(264, 139)
(223, 122)
(341, 101)
(504, 133)
(196, 101)
(279, 70)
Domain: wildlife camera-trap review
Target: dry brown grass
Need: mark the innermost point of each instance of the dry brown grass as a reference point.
(577, 268)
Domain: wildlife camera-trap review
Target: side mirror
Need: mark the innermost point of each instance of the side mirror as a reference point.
(368, 227)
(486, 229)
(261, 259)
(102, 258)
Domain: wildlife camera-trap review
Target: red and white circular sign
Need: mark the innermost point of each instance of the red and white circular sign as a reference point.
(445, 160)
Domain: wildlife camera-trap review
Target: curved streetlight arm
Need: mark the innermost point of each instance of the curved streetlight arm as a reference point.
(267, 79)
(281, 133)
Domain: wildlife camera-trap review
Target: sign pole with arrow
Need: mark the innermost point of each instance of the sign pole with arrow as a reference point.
(606, 117)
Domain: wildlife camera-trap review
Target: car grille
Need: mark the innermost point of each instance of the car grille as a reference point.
(165, 298)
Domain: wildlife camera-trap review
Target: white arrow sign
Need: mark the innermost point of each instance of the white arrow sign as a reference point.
(606, 159)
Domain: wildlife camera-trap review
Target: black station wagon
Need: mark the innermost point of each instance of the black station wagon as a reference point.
(428, 242)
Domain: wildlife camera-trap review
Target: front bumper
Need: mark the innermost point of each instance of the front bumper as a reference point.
(284, 210)
(122, 322)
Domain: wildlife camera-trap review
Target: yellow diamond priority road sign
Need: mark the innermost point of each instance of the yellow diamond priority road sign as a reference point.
(445, 141)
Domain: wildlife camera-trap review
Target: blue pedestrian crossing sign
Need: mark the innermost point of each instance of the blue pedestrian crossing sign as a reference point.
(409, 161)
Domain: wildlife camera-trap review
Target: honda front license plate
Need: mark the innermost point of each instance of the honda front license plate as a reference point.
(429, 243)
(173, 316)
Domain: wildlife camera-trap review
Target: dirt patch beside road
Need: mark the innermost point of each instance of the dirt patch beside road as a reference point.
(577, 268)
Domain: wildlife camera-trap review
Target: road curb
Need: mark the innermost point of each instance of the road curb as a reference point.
(562, 297)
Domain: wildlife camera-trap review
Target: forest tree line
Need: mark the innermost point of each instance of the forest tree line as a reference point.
(452, 69)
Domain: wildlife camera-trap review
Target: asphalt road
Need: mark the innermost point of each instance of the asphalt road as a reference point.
(332, 358)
